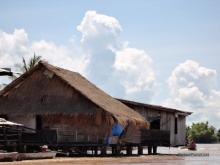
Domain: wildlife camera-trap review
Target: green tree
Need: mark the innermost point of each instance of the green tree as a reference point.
(202, 133)
(218, 135)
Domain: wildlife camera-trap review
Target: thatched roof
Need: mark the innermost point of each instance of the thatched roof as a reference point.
(117, 109)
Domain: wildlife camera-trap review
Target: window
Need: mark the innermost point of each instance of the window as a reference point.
(176, 126)
(155, 123)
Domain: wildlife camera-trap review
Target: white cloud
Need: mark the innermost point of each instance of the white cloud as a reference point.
(135, 68)
(120, 70)
(100, 36)
(191, 74)
(68, 57)
(99, 32)
(193, 87)
(12, 46)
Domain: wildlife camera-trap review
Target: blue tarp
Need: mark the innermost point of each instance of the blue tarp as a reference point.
(117, 130)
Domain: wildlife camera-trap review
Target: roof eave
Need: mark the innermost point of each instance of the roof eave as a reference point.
(156, 107)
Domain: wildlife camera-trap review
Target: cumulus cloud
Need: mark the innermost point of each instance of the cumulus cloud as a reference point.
(12, 46)
(100, 36)
(136, 67)
(99, 32)
(191, 74)
(67, 56)
(193, 87)
(120, 70)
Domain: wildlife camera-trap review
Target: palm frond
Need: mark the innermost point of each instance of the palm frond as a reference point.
(24, 64)
(34, 61)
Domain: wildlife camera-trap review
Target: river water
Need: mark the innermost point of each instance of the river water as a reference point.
(205, 154)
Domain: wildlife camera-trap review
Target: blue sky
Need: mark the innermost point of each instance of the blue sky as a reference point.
(169, 32)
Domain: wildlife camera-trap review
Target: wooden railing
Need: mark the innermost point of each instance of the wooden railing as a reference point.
(27, 136)
(46, 136)
(9, 137)
(77, 137)
(155, 137)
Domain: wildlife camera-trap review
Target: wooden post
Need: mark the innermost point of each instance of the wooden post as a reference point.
(84, 150)
(140, 150)
(76, 136)
(19, 146)
(96, 151)
(5, 138)
(103, 150)
(118, 150)
(24, 148)
(154, 150)
(129, 150)
(149, 150)
(113, 150)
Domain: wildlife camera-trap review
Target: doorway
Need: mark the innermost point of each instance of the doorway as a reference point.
(38, 122)
(155, 123)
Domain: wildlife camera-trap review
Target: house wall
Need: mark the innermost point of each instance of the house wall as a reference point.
(71, 128)
(167, 122)
(180, 138)
(80, 128)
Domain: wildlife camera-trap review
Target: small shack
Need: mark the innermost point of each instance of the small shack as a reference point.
(163, 118)
(52, 98)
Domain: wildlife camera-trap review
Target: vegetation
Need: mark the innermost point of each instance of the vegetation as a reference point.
(202, 133)
(31, 63)
(25, 65)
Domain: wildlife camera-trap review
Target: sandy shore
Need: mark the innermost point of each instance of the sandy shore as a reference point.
(98, 160)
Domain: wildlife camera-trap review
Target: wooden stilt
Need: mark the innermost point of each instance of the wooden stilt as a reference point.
(129, 150)
(140, 150)
(154, 150)
(103, 150)
(149, 150)
(118, 150)
(96, 151)
(114, 150)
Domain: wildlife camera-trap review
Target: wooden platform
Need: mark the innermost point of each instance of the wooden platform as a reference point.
(24, 139)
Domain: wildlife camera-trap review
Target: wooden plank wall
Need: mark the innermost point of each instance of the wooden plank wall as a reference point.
(180, 136)
(167, 122)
